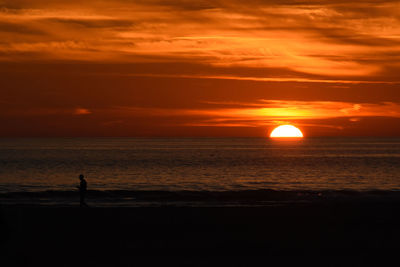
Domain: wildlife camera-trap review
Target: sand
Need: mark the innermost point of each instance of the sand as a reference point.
(201, 236)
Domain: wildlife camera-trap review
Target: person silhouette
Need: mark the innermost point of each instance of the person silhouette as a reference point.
(82, 190)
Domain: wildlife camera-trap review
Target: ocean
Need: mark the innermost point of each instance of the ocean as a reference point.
(198, 169)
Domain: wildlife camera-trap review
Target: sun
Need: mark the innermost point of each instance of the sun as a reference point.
(286, 131)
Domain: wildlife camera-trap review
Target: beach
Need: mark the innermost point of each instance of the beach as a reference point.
(198, 236)
(200, 202)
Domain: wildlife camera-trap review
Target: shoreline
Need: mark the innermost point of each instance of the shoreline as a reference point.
(184, 198)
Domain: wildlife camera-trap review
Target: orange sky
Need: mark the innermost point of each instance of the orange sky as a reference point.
(199, 68)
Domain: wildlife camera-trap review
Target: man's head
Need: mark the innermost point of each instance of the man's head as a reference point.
(81, 177)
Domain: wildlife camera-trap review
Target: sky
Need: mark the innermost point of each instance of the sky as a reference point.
(160, 68)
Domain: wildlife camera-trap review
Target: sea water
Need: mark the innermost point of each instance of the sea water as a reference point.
(200, 164)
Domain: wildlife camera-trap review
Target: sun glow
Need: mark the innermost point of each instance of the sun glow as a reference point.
(286, 131)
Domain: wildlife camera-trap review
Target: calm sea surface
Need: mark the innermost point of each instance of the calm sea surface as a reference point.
(202, 164)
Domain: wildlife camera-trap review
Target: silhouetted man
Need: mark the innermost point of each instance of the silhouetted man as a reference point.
(82, 190)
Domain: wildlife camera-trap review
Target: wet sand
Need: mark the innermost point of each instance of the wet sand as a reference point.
(200, 236)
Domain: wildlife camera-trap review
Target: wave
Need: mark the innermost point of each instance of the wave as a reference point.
(245, 196)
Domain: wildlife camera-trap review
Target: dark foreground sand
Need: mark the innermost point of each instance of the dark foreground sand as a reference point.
(327, 234)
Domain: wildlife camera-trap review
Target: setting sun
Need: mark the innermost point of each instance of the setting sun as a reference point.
(286, 131)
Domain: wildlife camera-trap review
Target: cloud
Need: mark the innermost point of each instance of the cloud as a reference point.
(82, 111)
(345, 38)
(230, 118)
(267, 112)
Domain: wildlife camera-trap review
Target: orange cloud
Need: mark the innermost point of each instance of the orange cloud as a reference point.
(268, 112)
(82, 111)
(181, 64)
(347, 39)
